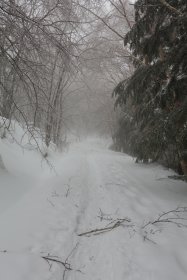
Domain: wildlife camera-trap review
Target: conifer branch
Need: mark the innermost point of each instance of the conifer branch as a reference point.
(171, 8)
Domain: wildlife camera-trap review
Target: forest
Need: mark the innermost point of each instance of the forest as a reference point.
(52, 54)
(153, 125)
(61, 61)
(93, 139)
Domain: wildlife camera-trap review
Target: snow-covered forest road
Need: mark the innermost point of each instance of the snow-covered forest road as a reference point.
(108, 195)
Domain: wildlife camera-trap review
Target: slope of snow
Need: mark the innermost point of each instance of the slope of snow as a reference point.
(20, 153)
(90, 188)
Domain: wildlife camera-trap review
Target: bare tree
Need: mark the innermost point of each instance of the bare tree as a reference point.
(35, 35)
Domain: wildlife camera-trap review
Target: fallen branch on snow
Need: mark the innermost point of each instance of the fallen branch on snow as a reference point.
(55, 259)
(175, 217)
(166, 217)
(65, 264)
(49, 258)
(114, 224)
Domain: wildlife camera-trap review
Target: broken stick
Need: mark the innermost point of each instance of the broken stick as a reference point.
(110, 227)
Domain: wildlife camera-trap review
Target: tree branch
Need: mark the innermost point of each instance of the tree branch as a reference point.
(171, 8)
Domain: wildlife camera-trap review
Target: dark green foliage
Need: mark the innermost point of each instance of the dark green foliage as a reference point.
(156, 94)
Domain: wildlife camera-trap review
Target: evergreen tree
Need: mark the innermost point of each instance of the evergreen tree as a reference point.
(156, 92)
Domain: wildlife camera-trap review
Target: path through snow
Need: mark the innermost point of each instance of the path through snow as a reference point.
(93, 187)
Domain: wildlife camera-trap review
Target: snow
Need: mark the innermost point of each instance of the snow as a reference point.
(43, 210)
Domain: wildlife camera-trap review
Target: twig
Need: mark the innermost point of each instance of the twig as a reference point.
(68, 186)
(65, 264)
(171, 8)
(55, 259)
(66, 261)
(96, 231)
(163, 218)
(52, 204)
(68, 190)
(148, 239)
(102, 216)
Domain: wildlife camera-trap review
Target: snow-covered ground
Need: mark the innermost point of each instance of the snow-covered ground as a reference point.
(44, 211)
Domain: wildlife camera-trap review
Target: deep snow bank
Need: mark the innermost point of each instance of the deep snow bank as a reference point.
(22, 163)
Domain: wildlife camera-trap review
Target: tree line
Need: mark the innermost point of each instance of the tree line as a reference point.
(36, 49)
(153, 101)
(58, 57)
(60, 60)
